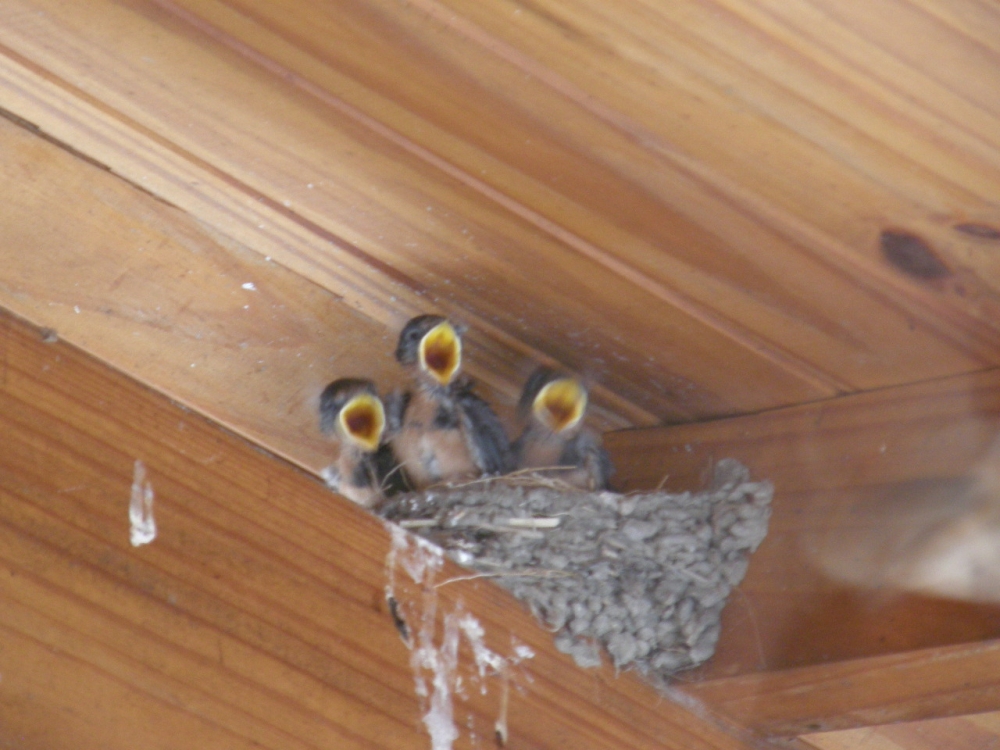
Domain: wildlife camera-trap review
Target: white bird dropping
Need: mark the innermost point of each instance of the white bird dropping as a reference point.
(140, 508)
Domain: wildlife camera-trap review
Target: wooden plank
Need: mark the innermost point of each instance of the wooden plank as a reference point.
(441, 238)
(701, 202)
(936, 429)
(144, 287)
(959, 733)
(929, 683)
(858, 479)
(227, 222)
(842, 133)
(600, 188)
(256, 617)
(866, 342)
(853, 441)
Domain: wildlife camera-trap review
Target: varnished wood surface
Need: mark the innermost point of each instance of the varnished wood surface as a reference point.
(708, 207)
(856, 478)
(905, 687)
(979, 731)
(159, 295)
(583, 158)
(225, 219)
(937, 429)
(442, 242)
(142, 286)
(256, 618)
(642, 60)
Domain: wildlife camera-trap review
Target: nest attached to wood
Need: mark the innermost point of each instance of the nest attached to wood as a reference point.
(646, 575)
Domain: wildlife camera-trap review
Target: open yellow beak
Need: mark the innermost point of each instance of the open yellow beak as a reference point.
(362, 421)
(560, 405)
(441, 352)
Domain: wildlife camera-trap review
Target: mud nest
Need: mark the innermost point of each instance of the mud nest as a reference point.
(645, 575)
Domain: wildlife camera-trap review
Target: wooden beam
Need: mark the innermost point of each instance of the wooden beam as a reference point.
(203, 210)
(144, 287)
(970, 732)
(256, 617)
(935, 429)
(924, 684)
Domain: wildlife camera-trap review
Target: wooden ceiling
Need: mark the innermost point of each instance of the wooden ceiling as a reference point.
(688, 202)
(710, 208)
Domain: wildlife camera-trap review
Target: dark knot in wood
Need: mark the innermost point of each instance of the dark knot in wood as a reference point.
(912, 255)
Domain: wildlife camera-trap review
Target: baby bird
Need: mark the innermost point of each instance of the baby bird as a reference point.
(365, 471)
(441, 431)
(554, 405)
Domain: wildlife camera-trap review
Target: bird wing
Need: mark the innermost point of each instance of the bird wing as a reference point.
(389, 471)
(485, 433)
(396, 404)
(585, 450)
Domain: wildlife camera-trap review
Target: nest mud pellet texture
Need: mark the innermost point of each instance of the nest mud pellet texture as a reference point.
(646, 575)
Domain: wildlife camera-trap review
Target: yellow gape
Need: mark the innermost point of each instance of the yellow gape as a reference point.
(362, 421)
(441, 352)
(560, 404)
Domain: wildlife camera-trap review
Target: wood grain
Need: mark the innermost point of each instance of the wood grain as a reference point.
(928, 683)
(443, 240)
(965, 732)
(707, 207)
(935, 429)
(503, 161)
(667, 87)
(862, 483)
(256, 618)
(177, 305)
(834, 102)
(256, 222)
(144, 287)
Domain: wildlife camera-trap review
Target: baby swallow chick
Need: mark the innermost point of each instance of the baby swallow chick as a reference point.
(554, 405)
(352, 413)
(441, 431)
